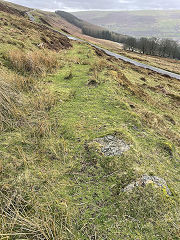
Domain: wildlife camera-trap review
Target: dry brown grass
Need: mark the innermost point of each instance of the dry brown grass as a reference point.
(23, 83)
(9, 101)
(43, 100)
(34, 63)
(15, 222)
(17, 81)
(40, 128)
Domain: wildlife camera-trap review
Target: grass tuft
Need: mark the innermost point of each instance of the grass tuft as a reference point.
(34, 63)
(9, 101)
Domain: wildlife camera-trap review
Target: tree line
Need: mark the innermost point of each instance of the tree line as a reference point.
(103, 34)
(153, 46)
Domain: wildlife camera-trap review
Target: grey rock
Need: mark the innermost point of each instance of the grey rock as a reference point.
(144, 180)
(112, 146)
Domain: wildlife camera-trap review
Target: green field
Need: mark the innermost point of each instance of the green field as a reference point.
(163, 24)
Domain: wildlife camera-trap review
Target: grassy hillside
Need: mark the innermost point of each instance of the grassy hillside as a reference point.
(59, 23)
(56, 181)
(163, 24)
(15, 6)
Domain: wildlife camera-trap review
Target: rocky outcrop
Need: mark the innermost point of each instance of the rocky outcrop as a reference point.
(112, 146)
(144, 180)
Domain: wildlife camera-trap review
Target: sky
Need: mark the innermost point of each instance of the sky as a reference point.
(75, 5)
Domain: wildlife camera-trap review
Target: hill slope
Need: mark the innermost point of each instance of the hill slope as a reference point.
(15, 6)
(57, 22)
(89, 145)
(163, 24)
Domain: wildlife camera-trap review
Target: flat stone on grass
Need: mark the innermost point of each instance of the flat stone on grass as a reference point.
(112, 146)
(144, 180)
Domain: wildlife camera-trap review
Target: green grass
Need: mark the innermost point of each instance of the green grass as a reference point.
(96, 181)
(55, 182)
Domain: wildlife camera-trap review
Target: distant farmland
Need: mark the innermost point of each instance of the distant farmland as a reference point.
(159, 23)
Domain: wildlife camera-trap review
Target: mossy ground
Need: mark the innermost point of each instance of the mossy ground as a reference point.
(56, 184)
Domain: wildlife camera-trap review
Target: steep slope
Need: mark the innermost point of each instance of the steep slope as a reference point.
(15, 6)
(59, 23)
(163, 24)
(19, 31)
(89, 144)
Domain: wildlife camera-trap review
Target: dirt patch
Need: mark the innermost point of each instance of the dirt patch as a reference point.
(158, 89)
(112, 146)
(55, 41)
(152, 120)
(44, 21)
(134, 89)
(137, 69)
(64, 30)
(99, 52)
(174, 97)
(92, 83)
(170, 119)
(143, 79)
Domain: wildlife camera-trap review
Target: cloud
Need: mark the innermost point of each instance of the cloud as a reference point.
(100, 4)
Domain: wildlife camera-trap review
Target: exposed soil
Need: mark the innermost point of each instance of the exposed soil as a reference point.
(54, 40)
(44, 21)
(99, 53)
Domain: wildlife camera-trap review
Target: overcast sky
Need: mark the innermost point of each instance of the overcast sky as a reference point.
(73, 5)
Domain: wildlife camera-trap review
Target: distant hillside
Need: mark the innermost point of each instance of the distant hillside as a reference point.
(91, 29)
(163, 24)
(76, 21)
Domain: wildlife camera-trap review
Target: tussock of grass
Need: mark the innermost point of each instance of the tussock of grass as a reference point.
(44, 99)
(17, 222)
(35, 63)
(9, 101)
(23, 83)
